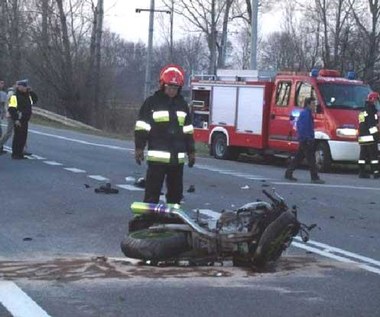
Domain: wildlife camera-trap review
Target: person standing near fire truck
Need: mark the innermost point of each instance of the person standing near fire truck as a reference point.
(164, 123)
(369, 137)
(306, 139)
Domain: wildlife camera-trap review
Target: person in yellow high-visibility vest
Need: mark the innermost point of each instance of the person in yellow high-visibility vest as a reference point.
(20, 110)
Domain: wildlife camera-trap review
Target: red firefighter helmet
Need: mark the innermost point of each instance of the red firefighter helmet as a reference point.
(373, 97)
(172, 75)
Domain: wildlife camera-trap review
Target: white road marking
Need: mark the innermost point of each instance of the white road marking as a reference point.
(327, 186)
(129, 187)
(331, 249)
(74, 170)
(232, 173)
(53, 163)
(98, 178)
(37, 157)
(112, 147)
(336, 257)
(17, 302)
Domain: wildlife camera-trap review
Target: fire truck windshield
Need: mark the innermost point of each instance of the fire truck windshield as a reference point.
(344, 96)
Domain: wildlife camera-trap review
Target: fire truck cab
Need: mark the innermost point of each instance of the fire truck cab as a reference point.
(248, 111)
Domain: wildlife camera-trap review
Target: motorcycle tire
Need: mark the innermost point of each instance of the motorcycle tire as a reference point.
(275, 239)
(154, 245)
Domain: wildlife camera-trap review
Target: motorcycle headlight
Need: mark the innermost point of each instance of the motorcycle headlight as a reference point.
(347, 133)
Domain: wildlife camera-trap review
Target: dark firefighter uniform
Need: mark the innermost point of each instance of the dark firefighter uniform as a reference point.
(368, 139)
(20, 110)
(165, 124)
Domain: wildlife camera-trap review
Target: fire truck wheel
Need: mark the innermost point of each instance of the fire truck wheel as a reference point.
(323, 157)
(221, 150)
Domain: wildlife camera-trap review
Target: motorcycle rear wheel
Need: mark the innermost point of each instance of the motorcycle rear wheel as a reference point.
(275, 239)
(154, 245)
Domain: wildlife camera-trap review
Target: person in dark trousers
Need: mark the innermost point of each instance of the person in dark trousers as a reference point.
(3, 101)
(369, 137)
(306, 139)
(164, 124)
(20, 110)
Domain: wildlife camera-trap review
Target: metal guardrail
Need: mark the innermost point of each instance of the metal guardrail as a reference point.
(61, 119)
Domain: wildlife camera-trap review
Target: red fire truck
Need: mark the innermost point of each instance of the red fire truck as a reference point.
(251, 112)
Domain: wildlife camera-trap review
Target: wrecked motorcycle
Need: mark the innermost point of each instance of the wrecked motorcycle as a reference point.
(255, 234)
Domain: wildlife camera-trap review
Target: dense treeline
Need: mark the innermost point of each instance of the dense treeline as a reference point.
(90, 74)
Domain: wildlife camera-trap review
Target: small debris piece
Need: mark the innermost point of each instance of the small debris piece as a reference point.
(140, 183)
(87, 186)
(130, 179)
(332, 217)
(314, 198)
(191, 189)
(27, 239)
(245, 187)
(372, 203)
(106, 189)
(219, 274)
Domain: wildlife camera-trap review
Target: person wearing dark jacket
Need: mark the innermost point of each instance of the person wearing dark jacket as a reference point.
(20, 110)
(164, 124)
(306, 139)
(369, 137)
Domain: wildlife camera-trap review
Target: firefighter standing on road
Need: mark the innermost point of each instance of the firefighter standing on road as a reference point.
(369, 137)
(20, 110)
(164, 123)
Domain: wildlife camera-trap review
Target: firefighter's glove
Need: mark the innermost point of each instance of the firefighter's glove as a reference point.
(191, 159)
(139, 156)
(18, 124)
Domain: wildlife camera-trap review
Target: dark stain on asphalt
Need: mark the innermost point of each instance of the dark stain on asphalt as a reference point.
(76, 269)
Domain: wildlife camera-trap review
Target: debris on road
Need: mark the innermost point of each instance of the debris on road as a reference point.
(106, 189)
(87, 186)
(140, 183)
(191, 189)
(130, 179)
(245, 187)
(27, 239)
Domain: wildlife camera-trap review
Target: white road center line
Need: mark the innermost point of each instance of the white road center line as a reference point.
(129, 187)
(74, 170)
(17, 302)
(53, 163)
(327, 186)
(98, 178)
(37, 157)
(112, 147)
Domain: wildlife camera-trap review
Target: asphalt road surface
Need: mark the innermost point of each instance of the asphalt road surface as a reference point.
(59, 241)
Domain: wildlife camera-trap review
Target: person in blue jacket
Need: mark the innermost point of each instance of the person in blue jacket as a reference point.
(306, 147)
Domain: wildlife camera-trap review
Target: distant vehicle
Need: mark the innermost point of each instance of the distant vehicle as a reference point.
(245, 111)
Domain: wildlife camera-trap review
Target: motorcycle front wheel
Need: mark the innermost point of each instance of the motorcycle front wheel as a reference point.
(154, 245)
(275, 239)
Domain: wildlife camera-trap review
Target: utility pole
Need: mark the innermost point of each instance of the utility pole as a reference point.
(148, 76)
(148, 67)
(212, 69)
(254, 33)
(171, 31)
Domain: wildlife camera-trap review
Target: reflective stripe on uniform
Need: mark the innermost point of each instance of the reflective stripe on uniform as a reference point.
(12, 102)
(158, 156)
(361, 162)
(376, 117)
(181, 157)
(181, 115)
(161, 116)
(373, 130)
(142, 126)
(188, 129)
(375, 162)
(366, 138)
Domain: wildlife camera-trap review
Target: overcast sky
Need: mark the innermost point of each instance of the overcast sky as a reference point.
(120, 17)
